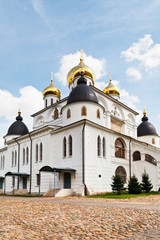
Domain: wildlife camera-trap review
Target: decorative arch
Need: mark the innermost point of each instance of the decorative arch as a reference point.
(117, 111)
(136, 156)
(131, 119)
(103, 102)
(119, 148)
(122, 173)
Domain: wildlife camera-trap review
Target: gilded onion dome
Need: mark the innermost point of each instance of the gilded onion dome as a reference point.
(80, 69)
(111, 89)
(51, 90)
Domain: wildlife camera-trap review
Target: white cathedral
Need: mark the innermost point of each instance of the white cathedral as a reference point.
(78, 143)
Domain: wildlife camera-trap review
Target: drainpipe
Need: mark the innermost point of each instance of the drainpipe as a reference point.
(30, 186)
(18, 161)
(83, 159)
(130, 159)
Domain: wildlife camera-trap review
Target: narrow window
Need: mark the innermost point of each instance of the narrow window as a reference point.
(99, 146)
(36, 152)
(153, 140)
(55, 113)
(70, 145)
(64, 147)
(27, 155)
(83, 111)
(24, 156)
(41, 152)
(46, 103)
(104, 147)
(136, 156)
(12, 158)
(119, 148)
(68, 113)
(3, 161)
(51, 101)
(98, 113)
(38, 179)
(15, 161)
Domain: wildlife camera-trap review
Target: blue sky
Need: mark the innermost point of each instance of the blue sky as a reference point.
(42, 36)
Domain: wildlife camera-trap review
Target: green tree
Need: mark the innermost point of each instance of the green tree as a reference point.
(146, 184)
(134, 187)
(117, 184)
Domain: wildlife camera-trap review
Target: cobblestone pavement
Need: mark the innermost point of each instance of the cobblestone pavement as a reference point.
(79, 218)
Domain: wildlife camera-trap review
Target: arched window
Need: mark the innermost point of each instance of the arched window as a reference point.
(119, 148)
(12, 158)
(24, 156)
(15, 160)
(68, 113)
(46, 103)
(153, 140)
(104, 147)
(36, 152)
(150, 159)
(64, 147)
(27, 155)
(122, 173)
(70, 145)
(98, 113)
(83, 111)
(136, 156)
(41, 152)
(55, 113)
(99, 146)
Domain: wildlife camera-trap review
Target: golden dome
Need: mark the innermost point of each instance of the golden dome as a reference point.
(81, 68)
(111, 89)
(51, 90)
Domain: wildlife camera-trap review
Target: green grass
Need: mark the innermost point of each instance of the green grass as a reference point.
(123, 195)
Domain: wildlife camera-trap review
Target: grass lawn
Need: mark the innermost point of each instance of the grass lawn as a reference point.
(123, 195)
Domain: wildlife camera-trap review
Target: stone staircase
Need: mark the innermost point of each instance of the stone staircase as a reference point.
(18, 192)
(60, 193)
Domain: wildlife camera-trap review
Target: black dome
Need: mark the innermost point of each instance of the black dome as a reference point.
(82, 92)
(18, 127)
(146, 128)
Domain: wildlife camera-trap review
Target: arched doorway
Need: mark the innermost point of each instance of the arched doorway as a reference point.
(122, 173)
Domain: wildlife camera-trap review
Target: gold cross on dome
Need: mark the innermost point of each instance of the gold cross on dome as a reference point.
(81, 55)
(109, 75)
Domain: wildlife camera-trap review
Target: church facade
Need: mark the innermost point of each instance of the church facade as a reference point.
(78, 143)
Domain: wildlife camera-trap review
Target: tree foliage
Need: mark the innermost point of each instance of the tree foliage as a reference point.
(117, 184)
(146, 184)
(134, 187)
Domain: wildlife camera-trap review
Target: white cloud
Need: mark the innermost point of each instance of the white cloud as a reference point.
(30, 101)
(71, 60)
(133, 74)
(38, 7)
(145, 52)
